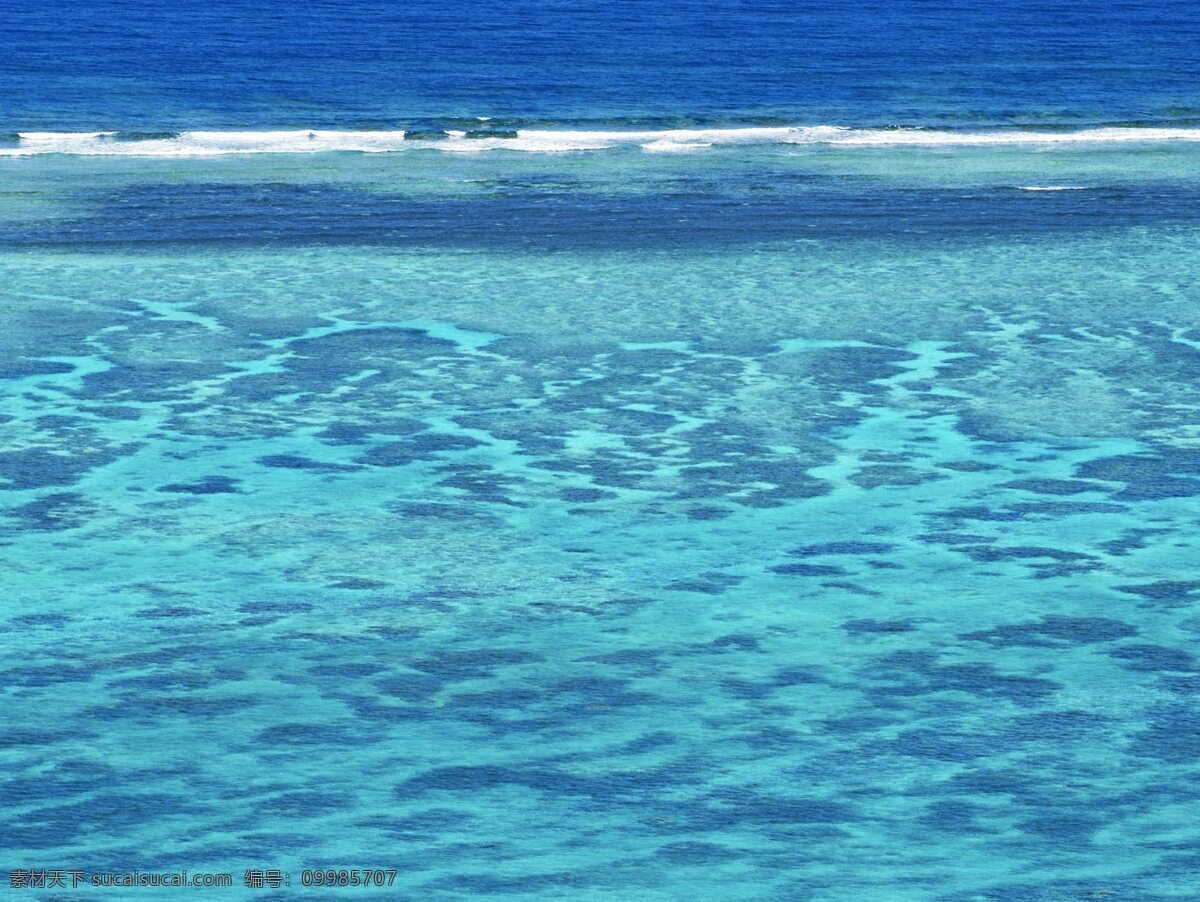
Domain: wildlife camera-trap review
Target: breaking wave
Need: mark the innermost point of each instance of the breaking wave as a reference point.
(534, 140)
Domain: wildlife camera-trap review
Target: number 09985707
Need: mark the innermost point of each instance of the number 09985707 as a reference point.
(348, 877)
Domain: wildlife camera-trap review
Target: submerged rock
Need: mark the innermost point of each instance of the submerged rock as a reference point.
(144, 136)
(491, 133)
(425, 134)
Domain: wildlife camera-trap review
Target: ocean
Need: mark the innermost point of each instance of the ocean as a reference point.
(650, 450)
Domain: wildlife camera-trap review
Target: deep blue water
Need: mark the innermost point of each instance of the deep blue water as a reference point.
(248, 63)
(658, 509)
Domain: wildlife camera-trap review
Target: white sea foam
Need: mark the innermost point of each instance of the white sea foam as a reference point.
(220, 143)
(918, 137)
(1052, 187)
(675, 146)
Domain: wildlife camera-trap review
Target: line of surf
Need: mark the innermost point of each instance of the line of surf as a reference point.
(221, 143)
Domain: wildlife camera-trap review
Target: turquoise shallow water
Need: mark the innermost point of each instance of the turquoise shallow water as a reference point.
(742, 524)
